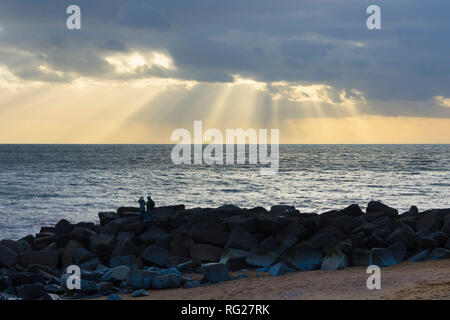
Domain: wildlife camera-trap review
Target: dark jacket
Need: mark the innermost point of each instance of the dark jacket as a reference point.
(150, 204)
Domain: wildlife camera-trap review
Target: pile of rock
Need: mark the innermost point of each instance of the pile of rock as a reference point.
(122, 254)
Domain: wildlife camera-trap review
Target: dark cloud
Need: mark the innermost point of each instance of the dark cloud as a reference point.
(306, 41)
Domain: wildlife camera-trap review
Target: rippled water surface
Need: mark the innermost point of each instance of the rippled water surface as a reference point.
(40, 184)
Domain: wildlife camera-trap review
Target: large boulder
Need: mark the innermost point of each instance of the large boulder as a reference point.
(334, 260)
(167, 281)
(234, 259)
(430, 220)
(116, 274)
(440, 253)
(283, 209)
(376, 206)
(304, 257)
(82, 255)
(241, 239)
(102, 245)
(215, 272)
(18, 247)
(292, 229)
(205, 252)
(398, 251)
(383, 257)
(361, 257)
(181, 244)
(120, 224)
(7, 256)
(31, 291)
(404, 235)
(268, 244)
(141, 279)
(209, 233)
(260, 258)
(280, 269)
(421, 256)
(156, 256)
(130, 261)
(351, 211)
(63, 228)
(48, 258)
(124, 247)
(20, 278)
(107, 217)
(69, 252)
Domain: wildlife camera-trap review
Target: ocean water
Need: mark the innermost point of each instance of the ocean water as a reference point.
(40, 184)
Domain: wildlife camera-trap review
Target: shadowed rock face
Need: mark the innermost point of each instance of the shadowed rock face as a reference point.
(124, 253)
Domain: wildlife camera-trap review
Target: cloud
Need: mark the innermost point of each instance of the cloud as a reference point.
(307, 44)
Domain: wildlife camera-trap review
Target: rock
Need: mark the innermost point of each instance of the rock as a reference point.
(122, 210)
(248, 223)
(107, 217)
(361, 257)
(114, 297)
(215, 272)
(7, 256)
(125, 247)
(440, 253)
(398, 251)
(279, 269)
(140, 293)
(63, 228)
(334, 260)
(121, 224)
(304, 257)
(260, 258)
(156, 255)
(191, 284)
(181, 244)
(269, 244)
(5, 283)
(155, 235)
(167, 281)
(241, 239)
(82, 255)
(31, 291)
(102, 245)
(20, 246)
(49, 258)
(430, 220)
(404, 235)
(130, 261)
(282, 209)
(413, 210)
(91, 264)
(188, 266)
(383, 257)
(427, 243)
(141, 279)
(67, 257)
(205, 252)
(352, 211)
(234, 259)
(54, 288)
(421, 256)
(82, 234)
(20, 278)
(116, 274)
(376, 206)
(209, 233)
(292, 229)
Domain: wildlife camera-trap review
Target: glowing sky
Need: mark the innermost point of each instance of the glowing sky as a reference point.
(140, 69)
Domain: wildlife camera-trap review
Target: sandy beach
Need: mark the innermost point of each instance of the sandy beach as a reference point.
(408, 280)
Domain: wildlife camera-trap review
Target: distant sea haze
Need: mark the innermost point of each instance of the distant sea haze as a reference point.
(40, 184)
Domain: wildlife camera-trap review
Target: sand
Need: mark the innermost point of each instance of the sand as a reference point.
(408, 280)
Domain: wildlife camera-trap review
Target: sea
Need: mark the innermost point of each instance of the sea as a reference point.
(41, 184)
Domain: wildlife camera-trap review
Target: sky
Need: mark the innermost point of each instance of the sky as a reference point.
(139, 69)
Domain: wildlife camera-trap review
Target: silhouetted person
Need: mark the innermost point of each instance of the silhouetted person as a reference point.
(150, 207)
(141, 205)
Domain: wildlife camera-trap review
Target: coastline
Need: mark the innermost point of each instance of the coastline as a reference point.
(232, 253)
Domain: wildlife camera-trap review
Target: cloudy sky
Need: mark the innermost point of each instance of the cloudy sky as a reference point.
(139, 69)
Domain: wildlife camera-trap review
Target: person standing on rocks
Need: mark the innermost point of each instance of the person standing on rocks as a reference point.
(141, 205)
(150, 207)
